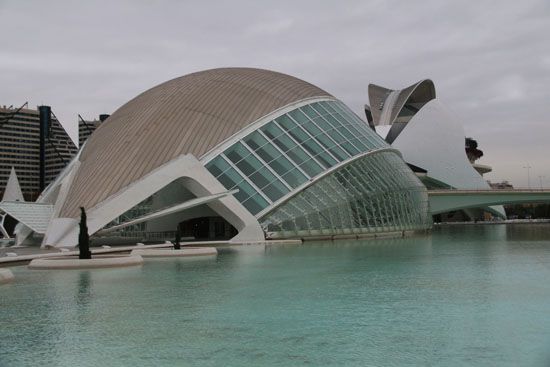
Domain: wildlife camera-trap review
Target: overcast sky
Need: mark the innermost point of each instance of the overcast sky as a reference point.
(490, 60)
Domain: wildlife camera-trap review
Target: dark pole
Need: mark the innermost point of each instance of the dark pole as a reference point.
(178, 240)
(83, 238)
(45, 121)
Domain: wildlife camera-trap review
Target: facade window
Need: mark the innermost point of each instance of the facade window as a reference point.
(290, 150)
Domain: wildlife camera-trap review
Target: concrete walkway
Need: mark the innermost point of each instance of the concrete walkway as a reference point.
(26, 254)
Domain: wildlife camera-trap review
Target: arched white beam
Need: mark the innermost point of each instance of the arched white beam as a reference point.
(167, 211)
(63, 232)
(442, 201)
(2, 229)
(386, 104)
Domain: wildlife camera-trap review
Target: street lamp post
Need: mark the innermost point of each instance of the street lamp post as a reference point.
(540, 180)
(528, 175)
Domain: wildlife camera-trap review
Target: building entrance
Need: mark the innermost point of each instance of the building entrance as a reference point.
(207, 228)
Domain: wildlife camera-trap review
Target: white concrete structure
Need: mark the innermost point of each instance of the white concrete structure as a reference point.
(11, 193)
(442, 201)
(193, 177)
(13, 189)
(428, 134)
(434, 140)
(237, 153)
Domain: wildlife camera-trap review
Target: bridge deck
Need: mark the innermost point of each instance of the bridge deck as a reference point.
(442, 201)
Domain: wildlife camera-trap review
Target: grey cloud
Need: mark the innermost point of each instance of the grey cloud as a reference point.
(490, 60)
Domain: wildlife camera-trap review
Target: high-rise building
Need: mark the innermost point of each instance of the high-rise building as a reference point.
(35, 144)
(86, 128)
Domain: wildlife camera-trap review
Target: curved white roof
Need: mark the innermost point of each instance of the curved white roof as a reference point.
(386, 103)
(442, 155)
(190, 114)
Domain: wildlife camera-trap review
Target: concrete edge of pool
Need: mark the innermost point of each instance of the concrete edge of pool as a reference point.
(24, 259)
(169, 252)
(38, 253)
(63, 263)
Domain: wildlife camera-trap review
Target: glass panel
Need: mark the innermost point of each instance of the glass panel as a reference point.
(336, 135)
(294, 178)
(345, 131)
(272, 131)
(299, 117)
(255, 204)
(256, 171)
(320, 109)
(275, 190)
(290, 148)
(231, 179)
(329, 107)
(324, 140)
(217, 165)
(310, 112)
(237, 153)
(279, 163)
(367, 132)
(305, 141)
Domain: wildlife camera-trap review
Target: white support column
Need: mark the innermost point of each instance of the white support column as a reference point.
(63, 232)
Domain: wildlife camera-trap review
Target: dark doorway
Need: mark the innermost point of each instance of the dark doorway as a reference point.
(207, 228)
(9, 224)
(200, 227)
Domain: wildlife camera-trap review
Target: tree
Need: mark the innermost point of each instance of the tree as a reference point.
(83, 238)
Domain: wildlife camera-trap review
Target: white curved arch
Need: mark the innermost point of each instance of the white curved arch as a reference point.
(434, 141)
(441, 136)
(63, 232)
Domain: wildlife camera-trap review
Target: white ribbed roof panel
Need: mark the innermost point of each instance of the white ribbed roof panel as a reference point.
(33, 215)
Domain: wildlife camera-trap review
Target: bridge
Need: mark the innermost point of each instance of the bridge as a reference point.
(442, 201)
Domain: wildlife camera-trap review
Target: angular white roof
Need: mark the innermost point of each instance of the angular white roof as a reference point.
(34, 215)
(13, 189)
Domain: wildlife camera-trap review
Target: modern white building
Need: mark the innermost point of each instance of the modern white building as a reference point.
(236, 153)
(428, 134)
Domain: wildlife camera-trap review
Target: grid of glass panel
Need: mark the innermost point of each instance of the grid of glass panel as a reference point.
(290, 150)
(376, 193)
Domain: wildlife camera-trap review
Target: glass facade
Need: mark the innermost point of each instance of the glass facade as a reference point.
(376, 193)
(290, 150)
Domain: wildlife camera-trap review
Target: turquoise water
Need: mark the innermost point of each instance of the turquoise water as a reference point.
(464, 296)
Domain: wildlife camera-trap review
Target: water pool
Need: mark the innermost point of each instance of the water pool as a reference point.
(466, 295)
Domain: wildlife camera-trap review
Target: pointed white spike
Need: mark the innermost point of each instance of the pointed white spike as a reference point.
(13, 190)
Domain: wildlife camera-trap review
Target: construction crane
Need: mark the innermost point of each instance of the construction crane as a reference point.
(7, 118)
(85, 124)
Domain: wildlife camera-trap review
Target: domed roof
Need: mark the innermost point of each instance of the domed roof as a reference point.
(190, 114)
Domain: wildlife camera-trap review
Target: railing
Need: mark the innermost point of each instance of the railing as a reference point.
(144, 235)
(518, 190)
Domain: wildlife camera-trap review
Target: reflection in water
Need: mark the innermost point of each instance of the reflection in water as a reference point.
(84, 289)
(467, 295)
(528, 232)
